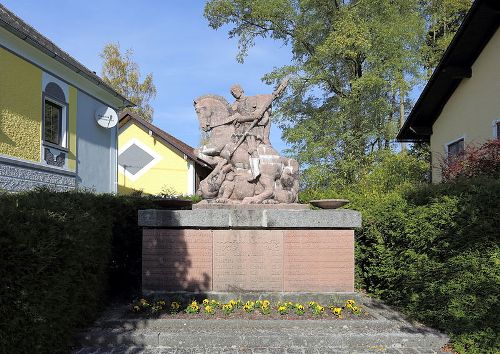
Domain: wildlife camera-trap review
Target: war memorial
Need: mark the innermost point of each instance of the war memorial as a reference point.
(249, 233)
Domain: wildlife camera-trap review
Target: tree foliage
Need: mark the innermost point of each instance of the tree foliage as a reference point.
(443, 18)
(122, 73)
(353, 64)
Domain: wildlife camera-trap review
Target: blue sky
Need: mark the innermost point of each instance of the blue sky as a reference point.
(171, 39)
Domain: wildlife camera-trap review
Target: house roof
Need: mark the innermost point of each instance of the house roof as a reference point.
(21, 29)
(477, 28)
(179, 145)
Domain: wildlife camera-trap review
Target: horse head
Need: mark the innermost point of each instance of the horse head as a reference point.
(212, 111)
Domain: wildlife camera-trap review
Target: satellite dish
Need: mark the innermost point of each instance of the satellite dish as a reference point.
(106, 117)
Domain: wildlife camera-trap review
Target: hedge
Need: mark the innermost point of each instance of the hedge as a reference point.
(62, 255)
(433, 252)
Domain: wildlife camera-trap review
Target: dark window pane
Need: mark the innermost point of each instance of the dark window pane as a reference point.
(52, 123)
(456, 148)
(498, 130)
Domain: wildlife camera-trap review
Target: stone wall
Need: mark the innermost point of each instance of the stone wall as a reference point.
(239, 257)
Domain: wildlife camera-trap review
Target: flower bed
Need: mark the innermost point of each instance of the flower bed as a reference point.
(251, 309)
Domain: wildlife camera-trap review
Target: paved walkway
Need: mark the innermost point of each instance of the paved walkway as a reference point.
(388, 332)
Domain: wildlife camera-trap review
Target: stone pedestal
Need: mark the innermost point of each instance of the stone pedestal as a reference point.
(238, 249)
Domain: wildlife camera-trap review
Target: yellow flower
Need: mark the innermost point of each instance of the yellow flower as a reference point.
(209, 309)
(175, 305)
(282, 310)
(227, 308)
(317, 309)
(337, 311)
(299, 309)
(265, 310)
(350, 303)
(249, 306)
(194, 303)
(356, 310)
(232, 302)
(266, 303)
(206, 302)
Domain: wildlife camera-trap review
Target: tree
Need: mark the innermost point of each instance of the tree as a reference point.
(123, 74)
(443, 18)
(353, 64)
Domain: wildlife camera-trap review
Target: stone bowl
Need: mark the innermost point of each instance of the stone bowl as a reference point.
(328, 203)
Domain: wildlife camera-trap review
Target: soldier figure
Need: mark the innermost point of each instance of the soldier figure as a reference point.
(245, 109)
(246, 167)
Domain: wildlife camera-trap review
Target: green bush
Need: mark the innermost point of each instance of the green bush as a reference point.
(450, 254)
(61, 256)
(387, 172)
(430, 250)
(54, 254)
(433, 252)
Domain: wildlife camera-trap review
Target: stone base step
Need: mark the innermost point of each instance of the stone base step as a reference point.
(256, 350)
(295, 327)
(387, 331)
(258, 338)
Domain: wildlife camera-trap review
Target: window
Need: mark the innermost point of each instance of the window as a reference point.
(54, 116)
(496, 129)
(52, 122)
(455, 148)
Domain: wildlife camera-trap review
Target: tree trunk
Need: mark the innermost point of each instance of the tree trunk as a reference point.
(402, 114)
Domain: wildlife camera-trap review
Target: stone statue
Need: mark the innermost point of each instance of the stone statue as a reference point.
(246, 168)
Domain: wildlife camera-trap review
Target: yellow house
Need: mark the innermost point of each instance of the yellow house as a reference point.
(153, 161)
(460, 105)
(51, 111)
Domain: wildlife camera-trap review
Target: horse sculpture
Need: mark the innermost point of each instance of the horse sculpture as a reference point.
(246, 168)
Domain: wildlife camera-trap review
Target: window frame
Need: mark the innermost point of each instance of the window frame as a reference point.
(447, 146)
(495, 128)
(63, 128)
